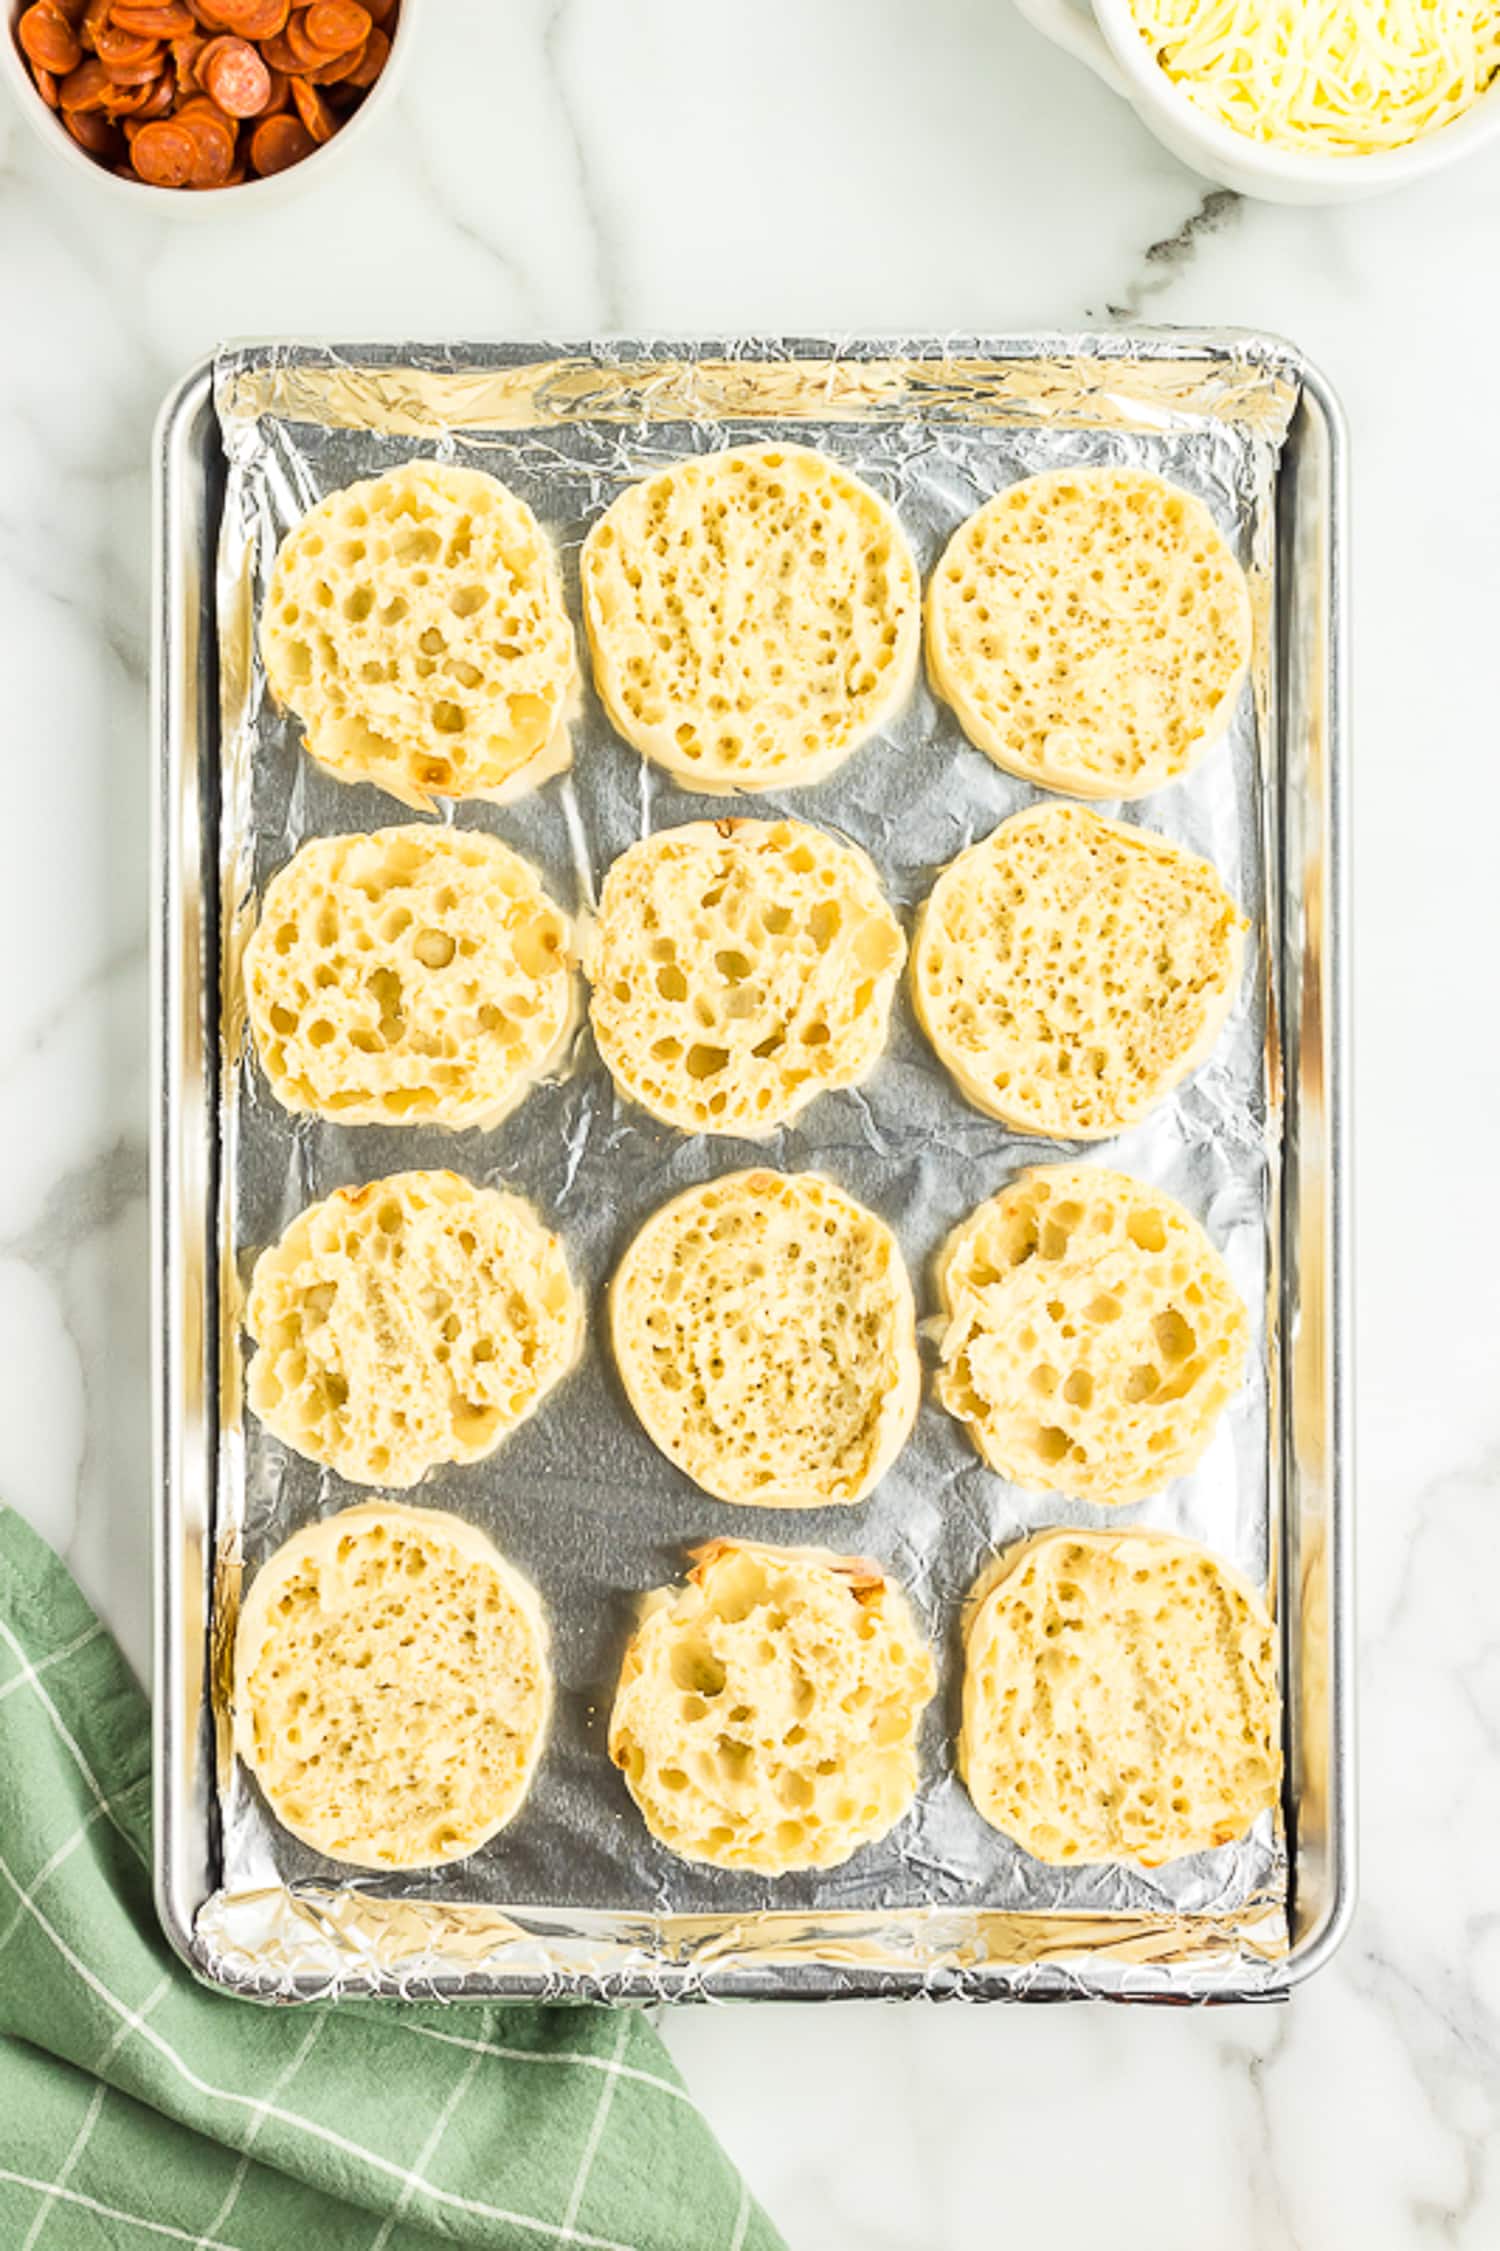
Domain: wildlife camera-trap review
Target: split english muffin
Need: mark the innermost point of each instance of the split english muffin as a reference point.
(1119, 1700)
(764, 1330)
(417, 976)
(767, 1712)
(1091, 630)
(1071, 971)
(753, 614)
(738, 970)
(415, 623)
(1093, 1335)
(391, 1686)
(416, 1320)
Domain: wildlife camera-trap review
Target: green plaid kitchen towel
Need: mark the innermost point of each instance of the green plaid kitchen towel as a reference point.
(137, 2108)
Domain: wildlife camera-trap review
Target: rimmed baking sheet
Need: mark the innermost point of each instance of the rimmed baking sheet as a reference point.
(575, 1898)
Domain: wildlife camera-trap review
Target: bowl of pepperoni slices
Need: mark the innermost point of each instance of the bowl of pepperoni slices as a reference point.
(191, 95)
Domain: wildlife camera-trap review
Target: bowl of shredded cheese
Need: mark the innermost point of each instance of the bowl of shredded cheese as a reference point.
(1296, 101)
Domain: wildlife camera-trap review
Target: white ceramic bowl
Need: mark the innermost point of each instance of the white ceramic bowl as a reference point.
(251, 194)
(1103, 34)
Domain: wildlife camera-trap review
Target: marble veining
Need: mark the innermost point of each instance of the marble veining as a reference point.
(569, 166)
(1164, 262)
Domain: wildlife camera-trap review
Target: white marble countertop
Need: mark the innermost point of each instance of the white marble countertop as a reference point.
(582, 166)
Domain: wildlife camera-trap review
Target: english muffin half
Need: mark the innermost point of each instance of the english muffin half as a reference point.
(1091, 629)
(754, 615)
(416, 1320)
(738, 970)
(767, 1712)
(765, 1333)
(391, 1686)
(421, 975)
(1071, 971)
(1093, 1335)
(1120, 1699)
(415, 623)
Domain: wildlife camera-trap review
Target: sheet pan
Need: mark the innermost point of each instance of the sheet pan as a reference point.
(575, 1900)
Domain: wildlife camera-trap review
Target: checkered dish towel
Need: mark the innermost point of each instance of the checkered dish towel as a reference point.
(139, 2109)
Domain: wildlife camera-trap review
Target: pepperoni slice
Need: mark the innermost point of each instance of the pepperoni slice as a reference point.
(48, 40)
(185, 53)
(372, 59)
(309, 55)
(279, 142)
(234, 76)
(170, 21)
(85, 88)
(127, 48)
(165, 153)
(341, 69)
(214, 135)
(128, 101)
(255, 19)
(313, 110)
(337, 25)
(216, 160)
(159, 98)
(281, 90)
(279, 52)
(93, 131)
(139, 73)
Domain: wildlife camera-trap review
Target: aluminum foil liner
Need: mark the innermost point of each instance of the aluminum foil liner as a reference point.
(575, 1897)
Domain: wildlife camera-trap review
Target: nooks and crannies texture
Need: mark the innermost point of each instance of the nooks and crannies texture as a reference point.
(391, 1686)
(766, 1336)
(1091, 630)
(738, 969)
(415, 623)
(754, 615)
(1093, 1335)
(1120, 1699)
(417, 976)
(413, 1321)
(767, 1712)
(1070, 971)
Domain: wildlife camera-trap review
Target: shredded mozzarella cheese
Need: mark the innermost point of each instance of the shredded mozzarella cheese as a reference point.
(1328, 77)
